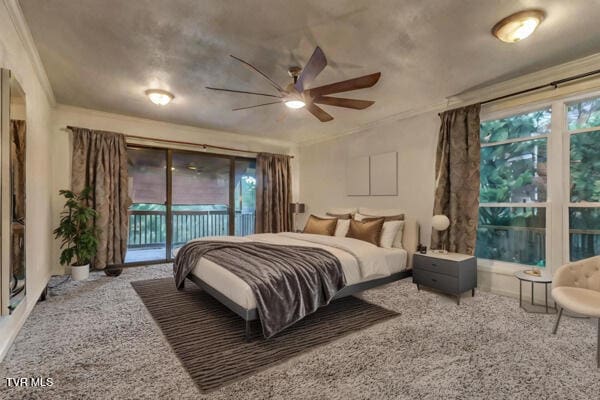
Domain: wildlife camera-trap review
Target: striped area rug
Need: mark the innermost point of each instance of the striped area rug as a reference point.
(209, 339)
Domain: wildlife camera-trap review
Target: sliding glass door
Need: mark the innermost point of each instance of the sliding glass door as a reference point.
(182, 195)
(148, 211)
(200, 196)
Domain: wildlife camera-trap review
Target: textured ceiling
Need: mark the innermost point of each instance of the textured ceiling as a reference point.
(103, 54)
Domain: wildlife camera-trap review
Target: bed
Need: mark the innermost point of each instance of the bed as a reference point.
(385, 265)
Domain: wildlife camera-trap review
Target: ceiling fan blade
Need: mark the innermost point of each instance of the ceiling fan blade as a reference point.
(345, 86)
(252, 67)
(244, 92)
(318, 112)
(315, 65)
(258, 105)
(341, 102)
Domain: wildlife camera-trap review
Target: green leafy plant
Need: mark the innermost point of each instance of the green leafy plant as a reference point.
(77, 231)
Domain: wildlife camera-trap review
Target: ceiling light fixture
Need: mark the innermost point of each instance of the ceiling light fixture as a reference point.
(295, 103)
(159, 97)
(518, 26)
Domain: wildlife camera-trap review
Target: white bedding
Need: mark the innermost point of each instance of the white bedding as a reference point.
(361, 261)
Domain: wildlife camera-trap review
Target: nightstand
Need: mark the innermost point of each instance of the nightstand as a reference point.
(451, 273)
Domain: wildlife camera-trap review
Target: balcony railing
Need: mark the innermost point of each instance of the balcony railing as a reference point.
(149, 228)
(527, 244)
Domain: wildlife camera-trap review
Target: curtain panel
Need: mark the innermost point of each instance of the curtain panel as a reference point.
(100, 162)
(18, 128)
(273, 193)
(457, 179)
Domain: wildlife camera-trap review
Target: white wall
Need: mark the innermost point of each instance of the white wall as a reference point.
(15, 56)
(80, 117)
(323, 169)
(323, 181)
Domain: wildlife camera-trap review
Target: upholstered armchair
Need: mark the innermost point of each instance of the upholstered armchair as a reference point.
(576, 287)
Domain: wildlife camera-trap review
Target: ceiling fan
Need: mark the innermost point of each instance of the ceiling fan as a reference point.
(297, 95)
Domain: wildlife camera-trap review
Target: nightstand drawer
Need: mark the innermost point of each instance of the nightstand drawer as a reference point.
(434, 280)
(437, 265)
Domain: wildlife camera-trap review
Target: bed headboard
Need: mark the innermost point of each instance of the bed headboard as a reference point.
(410, 239)
(411, 235)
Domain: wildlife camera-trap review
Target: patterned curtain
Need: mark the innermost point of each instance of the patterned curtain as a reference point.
(17, 153)
(100, 161)
(273, 193)
(457, 179)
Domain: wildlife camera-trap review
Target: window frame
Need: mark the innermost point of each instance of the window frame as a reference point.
(567, 134)
(506, 266)
(559, 177)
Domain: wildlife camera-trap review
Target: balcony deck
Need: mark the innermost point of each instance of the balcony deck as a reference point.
(148, 230)
(140, 254)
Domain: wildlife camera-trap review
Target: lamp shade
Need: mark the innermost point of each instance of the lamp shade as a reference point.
(298, 208)
(440, 222)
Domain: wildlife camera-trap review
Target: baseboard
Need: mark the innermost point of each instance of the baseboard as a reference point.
(11, 325)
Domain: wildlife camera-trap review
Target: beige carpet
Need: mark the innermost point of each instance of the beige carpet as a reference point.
(97, 341)
(209, 339)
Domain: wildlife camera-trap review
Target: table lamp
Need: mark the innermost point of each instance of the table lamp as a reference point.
(440, 223)
(297, 208)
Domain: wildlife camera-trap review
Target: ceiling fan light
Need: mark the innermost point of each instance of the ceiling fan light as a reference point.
(159, 97)
(518, 26)
(295, 103)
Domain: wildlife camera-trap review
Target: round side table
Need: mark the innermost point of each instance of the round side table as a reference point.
(544, 279)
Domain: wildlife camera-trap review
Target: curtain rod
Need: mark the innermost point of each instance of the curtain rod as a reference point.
(553, 84)
(203, 145)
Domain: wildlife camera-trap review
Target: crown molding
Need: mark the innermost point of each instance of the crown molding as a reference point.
(547, 75)
(20, 24)
(523, 82)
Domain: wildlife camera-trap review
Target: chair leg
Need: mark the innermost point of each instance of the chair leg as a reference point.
(560, 311)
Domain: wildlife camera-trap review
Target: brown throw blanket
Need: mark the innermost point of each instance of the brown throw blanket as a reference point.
(288, 282)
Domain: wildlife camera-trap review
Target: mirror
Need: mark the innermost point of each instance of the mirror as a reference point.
(12, 155)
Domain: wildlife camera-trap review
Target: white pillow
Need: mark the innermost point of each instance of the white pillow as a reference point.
(397, 243)
(341, 229)
(395, 228)
(389, 233)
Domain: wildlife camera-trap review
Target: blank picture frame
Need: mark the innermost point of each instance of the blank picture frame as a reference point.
(383, 174)
(357, 176)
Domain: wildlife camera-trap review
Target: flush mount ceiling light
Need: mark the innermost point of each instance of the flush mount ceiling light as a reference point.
(518, 26)
(295, 103)
(159, 97)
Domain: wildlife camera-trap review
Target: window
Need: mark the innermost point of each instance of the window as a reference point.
(583, 122)
(513, 188)
(540, 184)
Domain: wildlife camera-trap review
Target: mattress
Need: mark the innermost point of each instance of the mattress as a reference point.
(239, 292)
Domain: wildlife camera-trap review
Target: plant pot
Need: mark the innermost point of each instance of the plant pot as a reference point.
(80, 272)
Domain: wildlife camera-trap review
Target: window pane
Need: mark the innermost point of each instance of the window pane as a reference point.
(516, 126)
(585, 114)
(514, 172)
(245, 196)
(585, 167)
(584, 233)
(516, 234)
(147, 214)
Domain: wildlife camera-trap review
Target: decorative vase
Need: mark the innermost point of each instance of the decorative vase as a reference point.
(80, 272)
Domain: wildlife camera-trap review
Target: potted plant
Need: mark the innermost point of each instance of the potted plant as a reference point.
(78, 233)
